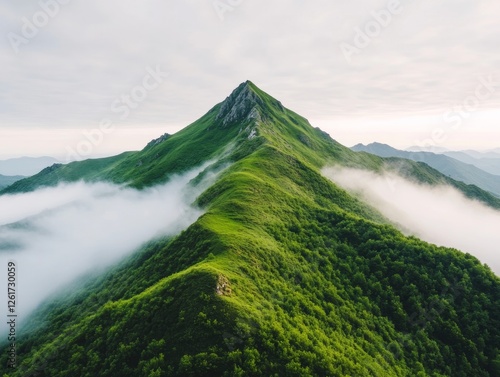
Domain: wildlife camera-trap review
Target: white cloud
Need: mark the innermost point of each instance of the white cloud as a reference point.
(64, 232)
(439, 215)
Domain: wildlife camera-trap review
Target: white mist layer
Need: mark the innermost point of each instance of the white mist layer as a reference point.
(73, 229)
(439, 215)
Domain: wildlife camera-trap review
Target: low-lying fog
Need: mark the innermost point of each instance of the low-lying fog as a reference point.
(55, 235)
(440, 215)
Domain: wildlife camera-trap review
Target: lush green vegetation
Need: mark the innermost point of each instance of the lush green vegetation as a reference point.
(284, 275)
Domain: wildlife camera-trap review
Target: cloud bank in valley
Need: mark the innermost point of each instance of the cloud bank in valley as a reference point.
(440, 215)
(58, 234)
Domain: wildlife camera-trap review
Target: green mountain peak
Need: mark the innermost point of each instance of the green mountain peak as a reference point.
(285, 274)
(248, 120)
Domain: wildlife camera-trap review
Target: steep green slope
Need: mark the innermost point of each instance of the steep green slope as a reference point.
(284, 275)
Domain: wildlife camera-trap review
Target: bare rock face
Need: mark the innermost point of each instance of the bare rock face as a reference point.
(243, 104)
(239, 105)
(161, 139)
(51, 168)
(223, 288)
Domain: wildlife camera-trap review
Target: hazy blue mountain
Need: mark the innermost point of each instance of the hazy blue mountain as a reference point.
(25, 166)
(494, 153)
(449, 166)
(431, 148)
(6, 180)
(488, 164)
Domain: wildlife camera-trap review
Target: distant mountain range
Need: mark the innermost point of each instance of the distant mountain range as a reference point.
(25, 166)
(489, 162)
(460, 167)
(432, 148)
(491, 153)
(480, 155)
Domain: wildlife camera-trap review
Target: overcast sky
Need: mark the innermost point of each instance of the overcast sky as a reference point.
(363, 71)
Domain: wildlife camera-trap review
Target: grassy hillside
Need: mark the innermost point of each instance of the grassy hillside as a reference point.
(284, 275)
